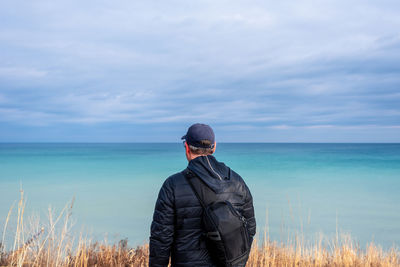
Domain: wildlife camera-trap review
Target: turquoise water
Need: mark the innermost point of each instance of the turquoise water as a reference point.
(297, 188)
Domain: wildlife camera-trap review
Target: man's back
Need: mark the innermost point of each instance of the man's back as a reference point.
(176, 229)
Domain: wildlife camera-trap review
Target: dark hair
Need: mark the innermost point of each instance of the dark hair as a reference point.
(201, 150)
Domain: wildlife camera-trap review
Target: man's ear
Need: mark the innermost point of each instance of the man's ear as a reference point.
(215, 146)
(187, 149)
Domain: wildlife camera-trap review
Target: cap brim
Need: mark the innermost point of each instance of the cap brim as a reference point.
(183, 137)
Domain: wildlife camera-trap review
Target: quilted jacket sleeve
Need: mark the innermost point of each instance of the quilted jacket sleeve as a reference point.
(248, 213)
(162, 227)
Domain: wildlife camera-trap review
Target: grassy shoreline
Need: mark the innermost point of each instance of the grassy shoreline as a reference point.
(268, 254)
(53, 245)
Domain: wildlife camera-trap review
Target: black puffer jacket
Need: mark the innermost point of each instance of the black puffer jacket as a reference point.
(176, 228)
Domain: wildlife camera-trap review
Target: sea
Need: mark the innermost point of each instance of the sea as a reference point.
(301, 191)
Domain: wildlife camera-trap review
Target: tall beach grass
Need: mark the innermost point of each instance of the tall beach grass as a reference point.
(52, 244)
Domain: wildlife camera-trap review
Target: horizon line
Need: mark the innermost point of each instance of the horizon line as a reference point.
(108, 142)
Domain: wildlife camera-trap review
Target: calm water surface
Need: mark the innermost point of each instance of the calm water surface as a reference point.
(297, 188)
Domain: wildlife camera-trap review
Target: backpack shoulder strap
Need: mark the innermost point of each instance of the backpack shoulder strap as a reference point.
(203, 193)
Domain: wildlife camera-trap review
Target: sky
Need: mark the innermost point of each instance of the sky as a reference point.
(144, 71)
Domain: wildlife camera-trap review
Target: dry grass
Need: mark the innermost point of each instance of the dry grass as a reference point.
(297, 254)
(52, 245)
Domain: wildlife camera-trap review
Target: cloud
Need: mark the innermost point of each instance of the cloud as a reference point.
(277, 65)
(18, 73)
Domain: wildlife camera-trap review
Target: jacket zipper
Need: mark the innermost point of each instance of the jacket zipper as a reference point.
(209, 164)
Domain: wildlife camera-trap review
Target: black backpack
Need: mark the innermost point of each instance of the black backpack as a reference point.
(225, 229)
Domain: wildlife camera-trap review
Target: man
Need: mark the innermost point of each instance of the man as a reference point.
(176, 229)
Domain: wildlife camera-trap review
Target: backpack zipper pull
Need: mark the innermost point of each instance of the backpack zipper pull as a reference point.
(243, 219)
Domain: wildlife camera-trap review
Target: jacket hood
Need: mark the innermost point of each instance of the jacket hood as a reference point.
(214, 173)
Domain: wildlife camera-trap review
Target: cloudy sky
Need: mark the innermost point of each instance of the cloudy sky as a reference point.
(256, 71)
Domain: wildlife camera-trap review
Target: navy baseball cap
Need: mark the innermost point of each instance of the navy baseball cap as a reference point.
(198, 132)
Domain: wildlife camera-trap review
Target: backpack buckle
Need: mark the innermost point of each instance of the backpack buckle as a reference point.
(213, 236)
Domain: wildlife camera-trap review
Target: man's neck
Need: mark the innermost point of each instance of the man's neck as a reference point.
(192, 157)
